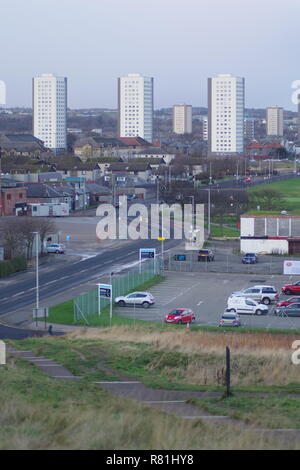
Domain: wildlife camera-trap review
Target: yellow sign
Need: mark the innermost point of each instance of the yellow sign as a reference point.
(161, 239)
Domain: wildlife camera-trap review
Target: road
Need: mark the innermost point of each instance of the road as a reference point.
(20, 290)
(256, 181)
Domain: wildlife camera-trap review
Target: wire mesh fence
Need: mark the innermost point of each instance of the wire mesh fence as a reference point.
(90, 304)
(222, 263)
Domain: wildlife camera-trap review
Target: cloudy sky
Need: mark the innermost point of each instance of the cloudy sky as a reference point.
(178, 42)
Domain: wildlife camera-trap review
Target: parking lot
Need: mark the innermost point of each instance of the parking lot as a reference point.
(206, 294)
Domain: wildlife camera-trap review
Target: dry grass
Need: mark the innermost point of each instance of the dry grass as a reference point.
(40, 413)
(257, 359)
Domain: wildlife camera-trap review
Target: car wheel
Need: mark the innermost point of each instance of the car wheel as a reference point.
(179, 322)
(232, 310)
(121, 303)
(57, 252)
(258, 312)
(146, 304)
(266, 301)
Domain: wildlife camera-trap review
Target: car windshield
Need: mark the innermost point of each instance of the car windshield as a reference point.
(228, 317)
(176, 312)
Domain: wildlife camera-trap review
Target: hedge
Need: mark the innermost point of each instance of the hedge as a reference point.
(12, 266)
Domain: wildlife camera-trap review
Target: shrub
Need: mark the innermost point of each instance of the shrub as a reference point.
(12, 266)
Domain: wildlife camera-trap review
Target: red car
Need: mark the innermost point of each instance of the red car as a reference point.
(180, 315)
(285, 303)
(291, 288)
(247, 180)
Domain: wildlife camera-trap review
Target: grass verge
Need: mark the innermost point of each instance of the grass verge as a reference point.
(268, 412)
(41, 413)
(64, 313)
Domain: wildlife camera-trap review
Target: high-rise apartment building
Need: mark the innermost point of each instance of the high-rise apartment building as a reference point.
(50, 111)
(275, 121)
(182, 119)
(226, 102)
(204, 128)
(135, 105)
(249, 124)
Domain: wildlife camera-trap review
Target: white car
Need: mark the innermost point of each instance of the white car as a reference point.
(145, 299)
(56, 248)
(246, 306)
(262, 294)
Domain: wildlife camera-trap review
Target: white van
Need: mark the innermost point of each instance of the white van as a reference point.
(245, 305)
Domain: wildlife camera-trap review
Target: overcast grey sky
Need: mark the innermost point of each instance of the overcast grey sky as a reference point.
(178, 42)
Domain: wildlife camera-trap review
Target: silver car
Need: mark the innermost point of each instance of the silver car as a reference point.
(262, 294)
(230, 319)
(56, 248)
(144, 299)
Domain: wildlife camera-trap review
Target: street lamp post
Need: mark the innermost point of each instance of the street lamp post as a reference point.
(37, 275)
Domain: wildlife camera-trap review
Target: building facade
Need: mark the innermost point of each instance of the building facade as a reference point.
(275, 121)
(50, 111)
(226, 102)
(182, 119)
(135, 106)
(249, 129)
(270, 234)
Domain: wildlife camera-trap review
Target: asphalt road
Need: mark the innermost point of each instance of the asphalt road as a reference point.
(20, 290)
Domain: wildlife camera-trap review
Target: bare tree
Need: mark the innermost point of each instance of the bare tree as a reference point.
(11, 237)
(45, 227)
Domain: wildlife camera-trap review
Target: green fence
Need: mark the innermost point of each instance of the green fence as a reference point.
(90, 304)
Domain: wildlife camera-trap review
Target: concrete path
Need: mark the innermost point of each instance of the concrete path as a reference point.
(170, 401)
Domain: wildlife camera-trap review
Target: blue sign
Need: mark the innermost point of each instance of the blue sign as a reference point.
(105, 290)
(68, 238)
(179, 257)
(147, 253)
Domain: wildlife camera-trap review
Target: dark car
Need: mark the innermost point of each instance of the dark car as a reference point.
(250, 258)
(292, 310)
(206, 255)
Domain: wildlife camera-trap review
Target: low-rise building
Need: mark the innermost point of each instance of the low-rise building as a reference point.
(272, 234)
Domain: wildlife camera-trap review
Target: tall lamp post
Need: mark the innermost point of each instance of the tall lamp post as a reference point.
(37, 275)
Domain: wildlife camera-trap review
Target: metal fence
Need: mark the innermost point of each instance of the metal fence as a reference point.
(224, 263)
(89, 304)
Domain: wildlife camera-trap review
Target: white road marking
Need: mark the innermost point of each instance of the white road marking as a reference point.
(199, 303)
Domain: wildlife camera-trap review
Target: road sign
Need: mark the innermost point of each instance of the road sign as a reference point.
(291, 267)
(161, 239)
(40, 313)
(105, 290)
(68, 238)
(179, 257)
(147, 253)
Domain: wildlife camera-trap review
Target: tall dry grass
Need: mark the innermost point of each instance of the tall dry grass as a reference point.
(257, 358)
(41, 413)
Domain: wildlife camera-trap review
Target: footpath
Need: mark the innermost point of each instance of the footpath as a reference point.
(169, 401)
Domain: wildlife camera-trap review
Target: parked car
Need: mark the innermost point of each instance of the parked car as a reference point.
(292, 310)
(180, 315)
(262, 294)
(246, 306)
(207, 255)
(285, 303)
(230, 319)
(250, 258)
(247, 180)
(291, 288)
(144, 299)
(56, 248)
